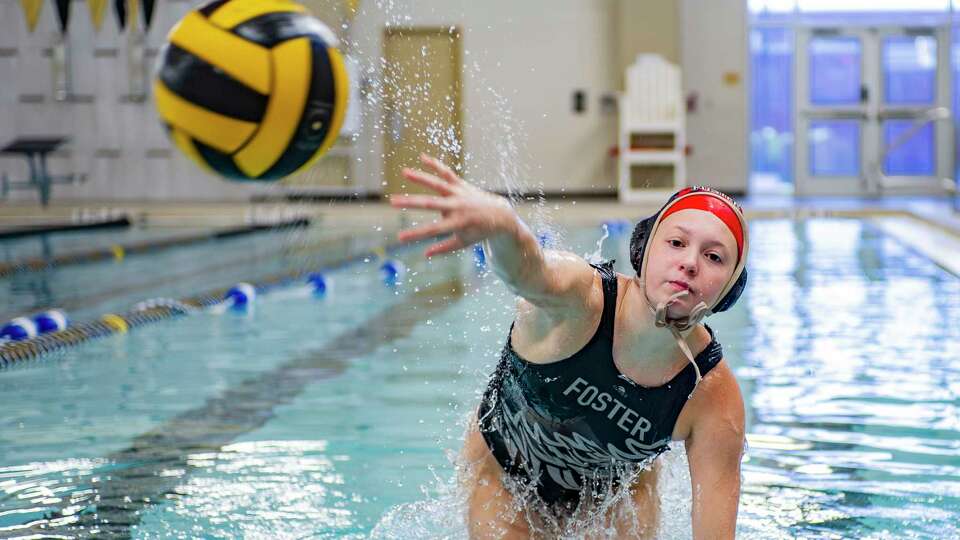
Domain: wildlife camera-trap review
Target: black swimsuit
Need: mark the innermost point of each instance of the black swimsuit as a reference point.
(577, 423)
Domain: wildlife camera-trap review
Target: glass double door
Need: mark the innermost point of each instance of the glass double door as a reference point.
(871, 110)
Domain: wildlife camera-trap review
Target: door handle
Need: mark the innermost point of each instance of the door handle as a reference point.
(836, 115)
(864, 93)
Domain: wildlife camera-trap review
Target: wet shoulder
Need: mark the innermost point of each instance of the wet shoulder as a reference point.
(717, 403)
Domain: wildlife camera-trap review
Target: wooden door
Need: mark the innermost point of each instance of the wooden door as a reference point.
(421, 107)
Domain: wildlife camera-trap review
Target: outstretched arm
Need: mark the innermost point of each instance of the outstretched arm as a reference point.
(470, 215)
(714, 450)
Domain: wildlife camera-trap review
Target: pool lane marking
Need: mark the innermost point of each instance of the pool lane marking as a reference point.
(118, 252)
(115, 499)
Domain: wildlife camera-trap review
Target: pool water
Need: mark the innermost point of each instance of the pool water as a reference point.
(340, 416)
(90, 289)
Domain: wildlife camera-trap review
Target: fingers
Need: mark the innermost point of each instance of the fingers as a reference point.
(441, 169)
(428, 180)
(427, 231)
(450, 244)
(426, 202)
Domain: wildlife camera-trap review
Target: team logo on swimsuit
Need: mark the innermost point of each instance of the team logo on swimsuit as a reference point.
(566, 460)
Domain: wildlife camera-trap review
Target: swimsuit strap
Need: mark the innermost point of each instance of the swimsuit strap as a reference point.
(608, 278)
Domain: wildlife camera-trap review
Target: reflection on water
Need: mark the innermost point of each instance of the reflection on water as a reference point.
(849, 362)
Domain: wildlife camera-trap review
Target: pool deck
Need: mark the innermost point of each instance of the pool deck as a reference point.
(194, 214)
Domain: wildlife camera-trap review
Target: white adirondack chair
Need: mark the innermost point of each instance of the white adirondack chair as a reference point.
(652, 109)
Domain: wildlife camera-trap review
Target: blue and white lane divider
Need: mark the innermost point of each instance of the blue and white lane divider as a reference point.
(29, 327)
(241, 296)
(479, 256)
(392, 272)
(164, 308)
(19, 329)
(51, 320)
(319, 283)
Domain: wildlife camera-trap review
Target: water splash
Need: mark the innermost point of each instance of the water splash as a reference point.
(443, 514)
(595, 257)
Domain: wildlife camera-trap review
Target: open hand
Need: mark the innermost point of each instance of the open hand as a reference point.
(468, 213)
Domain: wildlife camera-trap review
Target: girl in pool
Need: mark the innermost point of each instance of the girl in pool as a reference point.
(600, 370)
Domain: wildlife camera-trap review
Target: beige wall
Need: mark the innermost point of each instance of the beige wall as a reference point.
(648, 26)
(522, 63)
(714, 53)
(707, 38)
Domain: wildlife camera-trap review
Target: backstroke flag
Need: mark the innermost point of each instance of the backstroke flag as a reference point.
(31, 10)
(120, 10)
(97, 9)
(63, 15)
(147, 14)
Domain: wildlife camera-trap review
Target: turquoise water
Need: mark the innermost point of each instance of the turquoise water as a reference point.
(339, 416)
(91, 289)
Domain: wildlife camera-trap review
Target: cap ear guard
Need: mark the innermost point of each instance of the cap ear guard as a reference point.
(733, 294)
(638, 241)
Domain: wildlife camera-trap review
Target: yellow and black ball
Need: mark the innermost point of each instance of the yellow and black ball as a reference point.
(252, 89)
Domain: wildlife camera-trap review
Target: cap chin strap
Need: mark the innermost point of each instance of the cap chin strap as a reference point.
(697, 314)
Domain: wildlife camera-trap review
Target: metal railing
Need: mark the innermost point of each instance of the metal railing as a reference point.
(40, 182)
(936, 114)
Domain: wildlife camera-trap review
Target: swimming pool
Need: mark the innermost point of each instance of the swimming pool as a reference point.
(333, 417)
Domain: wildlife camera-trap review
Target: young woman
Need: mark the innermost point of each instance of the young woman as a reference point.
(600, 370)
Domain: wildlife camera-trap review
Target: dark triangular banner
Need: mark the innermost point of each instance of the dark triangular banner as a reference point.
(120, 10)
(147, 13)
(63, 14)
